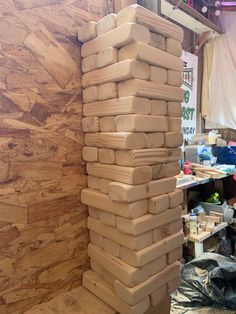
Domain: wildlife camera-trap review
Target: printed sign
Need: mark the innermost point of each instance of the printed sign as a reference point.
(189, 105)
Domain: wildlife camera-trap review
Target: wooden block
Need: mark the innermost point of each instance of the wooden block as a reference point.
(162, 186)
(129, 241)
(115, 140)
(176, 198)
(136, 294)
(127, 175)
(176, 226)
(165, 170)
(93, 212)
(220, 215)
(158, 107)
(157, 265)
(117, 72)
(174, 109)
(93, 182)
(174, 47)
(175, 154)
(174, 284)
(158, 171)
(87, 31)
(129, 275)
(89, 63)
(106, 24)
(96, 239)
(106, 156)
(90, 153)
(107, 91)
(155, 23)
(90, 124)
(214, 219)
(96, 267)
(152, 252)
(103, 202)
(173, 139)
(127, 193)
(172, 169)
(111, 247)
(106, 57)
(141, 157)
(141, 123)
(90, 94)
(153, 56)
(141, 88)
(104, 185)
(155, 140)
(158, 295)
(118, 106)
(94, 283)
(174, 255)
(158, 41)
(108, 278)
(175, 78)
(147, 222)
(158, 75)
(168, 229)
(158, 204)
(107, 124)
(174, 124)
(107, 218)
(164, 305)
(116, 38)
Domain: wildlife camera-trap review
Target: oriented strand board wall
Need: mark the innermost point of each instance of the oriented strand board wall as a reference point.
(43, 234)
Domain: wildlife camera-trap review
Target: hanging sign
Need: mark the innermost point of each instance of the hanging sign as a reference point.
(189, 85)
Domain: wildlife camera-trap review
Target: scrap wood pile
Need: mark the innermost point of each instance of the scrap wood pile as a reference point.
(132, 73)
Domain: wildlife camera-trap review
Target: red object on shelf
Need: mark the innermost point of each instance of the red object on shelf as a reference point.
(187, 167)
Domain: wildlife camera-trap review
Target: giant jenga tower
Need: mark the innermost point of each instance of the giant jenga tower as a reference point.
(132, 73)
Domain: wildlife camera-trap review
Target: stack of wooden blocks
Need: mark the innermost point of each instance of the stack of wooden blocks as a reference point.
(132, 101)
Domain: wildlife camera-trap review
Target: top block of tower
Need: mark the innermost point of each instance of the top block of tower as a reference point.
(155, 23)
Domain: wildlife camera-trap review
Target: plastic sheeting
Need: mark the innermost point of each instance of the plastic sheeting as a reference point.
(208, 280)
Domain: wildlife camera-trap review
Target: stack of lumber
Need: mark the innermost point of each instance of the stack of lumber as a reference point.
(132, 74)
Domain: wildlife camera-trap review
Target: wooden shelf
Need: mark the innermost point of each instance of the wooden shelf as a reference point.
(205, 235)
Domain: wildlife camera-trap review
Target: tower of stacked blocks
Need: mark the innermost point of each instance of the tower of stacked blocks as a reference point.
(132, 73)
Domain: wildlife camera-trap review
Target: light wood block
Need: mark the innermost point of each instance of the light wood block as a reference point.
(175, 154)
(93, 212)
(161, 171)
(158, 107)
(141, 157)
(107, 57)
(111, 247)
(172, 169)
(116, 38)
(174, 284)
(117, 72)
(136, 294)
(108, 278)
(102, 201)
(89, 63)
(157, 265)
(87, 32)
(96, 267)
(162, 186)
(154, 22)
(107, 91)
(174, 255)
(158, 41)
(164, 305)
(107, 124)
(94, 283)
(116, 140)
(174, 47)
(104, 185)
(107, 218)
(129, 241)
(118, 106)
(158, 74)
(158, 204)
(174, 109)
(147, 222)
(152, 252)
(141, 123)
(90, 124)
(96, 239)
(141, 88)
(175, 78)
(174, 124)
(127, 175)
(90, 94)
(106, 156)
(90, 153)
(176, 198)
(176, 226)
(127, 193)
(168, 229)
(153, 56)
(93, 182)
(155, 140)
(129, 275)
(106, 24)
(173, 139)
(158, 295)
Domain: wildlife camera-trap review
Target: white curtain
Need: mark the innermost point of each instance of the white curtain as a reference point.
(220, 107)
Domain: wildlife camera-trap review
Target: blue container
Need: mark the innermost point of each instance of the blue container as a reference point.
(225, 155)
